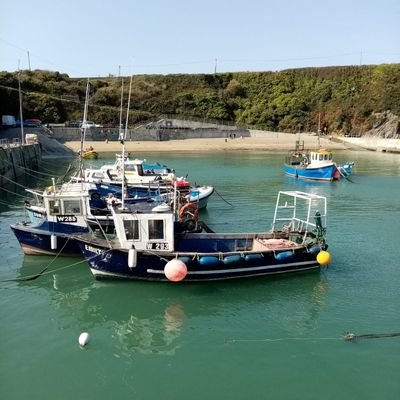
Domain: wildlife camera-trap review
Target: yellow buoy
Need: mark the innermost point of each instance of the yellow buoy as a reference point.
(324, 258)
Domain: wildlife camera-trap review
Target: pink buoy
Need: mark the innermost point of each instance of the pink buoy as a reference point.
(175, 270)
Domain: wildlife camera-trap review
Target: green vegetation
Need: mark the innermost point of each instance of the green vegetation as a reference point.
(344, 98)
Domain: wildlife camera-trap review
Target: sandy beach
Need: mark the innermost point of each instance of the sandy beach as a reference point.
(271, 142)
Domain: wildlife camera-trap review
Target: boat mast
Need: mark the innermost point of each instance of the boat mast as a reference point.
(319, 130)
(120, 134)
(83, 128)
(20, 107)
(123, 138)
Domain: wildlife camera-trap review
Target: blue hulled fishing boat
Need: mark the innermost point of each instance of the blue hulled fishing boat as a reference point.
(58, 212)
(165, 243)
(315, 165)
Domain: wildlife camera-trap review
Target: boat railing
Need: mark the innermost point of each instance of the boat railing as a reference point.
(300, 212)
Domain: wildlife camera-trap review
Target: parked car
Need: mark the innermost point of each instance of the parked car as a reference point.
(90, 124)
(32, 123)
(73, 124)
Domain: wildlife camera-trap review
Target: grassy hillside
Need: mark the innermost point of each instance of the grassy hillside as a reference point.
(345, 98)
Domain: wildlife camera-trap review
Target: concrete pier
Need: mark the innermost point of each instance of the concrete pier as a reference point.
(16, 158)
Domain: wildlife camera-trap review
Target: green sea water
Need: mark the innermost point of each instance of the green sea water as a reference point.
(268, 338)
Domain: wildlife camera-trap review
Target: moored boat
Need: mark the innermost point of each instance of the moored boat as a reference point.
(163, 244)
(59, 212)
(138, 183)
(315, 164)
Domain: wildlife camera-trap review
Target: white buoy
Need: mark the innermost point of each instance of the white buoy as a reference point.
(84, 339)
(132, 258)
(53, 242)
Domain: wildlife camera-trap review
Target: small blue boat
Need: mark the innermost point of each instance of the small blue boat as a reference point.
(315, 165)
(345, 169)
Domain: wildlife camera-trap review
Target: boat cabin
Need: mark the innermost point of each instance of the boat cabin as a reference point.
(309, 159)
(151, 229)
(322, 155)
(70, 204)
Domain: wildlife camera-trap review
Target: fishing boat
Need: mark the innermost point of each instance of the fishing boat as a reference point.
(345, 169)
(55, 214)
(170, 244)
(139, 184)
(60, 210)
(315, 164)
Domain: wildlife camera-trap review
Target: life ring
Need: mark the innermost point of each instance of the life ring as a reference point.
(190, 209)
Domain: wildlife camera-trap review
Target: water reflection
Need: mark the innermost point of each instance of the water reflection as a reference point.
(142, 318)
(153, 318)
(152, 334)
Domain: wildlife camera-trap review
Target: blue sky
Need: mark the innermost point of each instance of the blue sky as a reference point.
(90, 38)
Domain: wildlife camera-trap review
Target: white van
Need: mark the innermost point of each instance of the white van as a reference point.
(8, 121)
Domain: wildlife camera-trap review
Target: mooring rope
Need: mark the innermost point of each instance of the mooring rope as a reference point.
(45, 272)
(32, 277)
(226, 201)
(352, 337)
(347, 336)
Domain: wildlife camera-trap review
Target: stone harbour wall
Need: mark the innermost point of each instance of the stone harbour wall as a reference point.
(15, 159)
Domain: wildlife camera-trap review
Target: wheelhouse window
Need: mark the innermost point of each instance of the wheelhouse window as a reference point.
(97, 175)
(131, 228)
(72, 207)
(131, 168)
(156, 229)
(54, 207)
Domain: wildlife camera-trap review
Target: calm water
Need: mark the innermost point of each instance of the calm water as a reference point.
(275, 338)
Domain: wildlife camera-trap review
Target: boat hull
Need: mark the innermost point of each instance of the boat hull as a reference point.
(35, 241)
(346, 169)
(327, 173)
(113, 263)
(200, 195)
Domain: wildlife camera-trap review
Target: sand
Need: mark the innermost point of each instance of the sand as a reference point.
(272, 142)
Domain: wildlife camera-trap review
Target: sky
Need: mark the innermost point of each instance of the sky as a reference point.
(89, 38)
